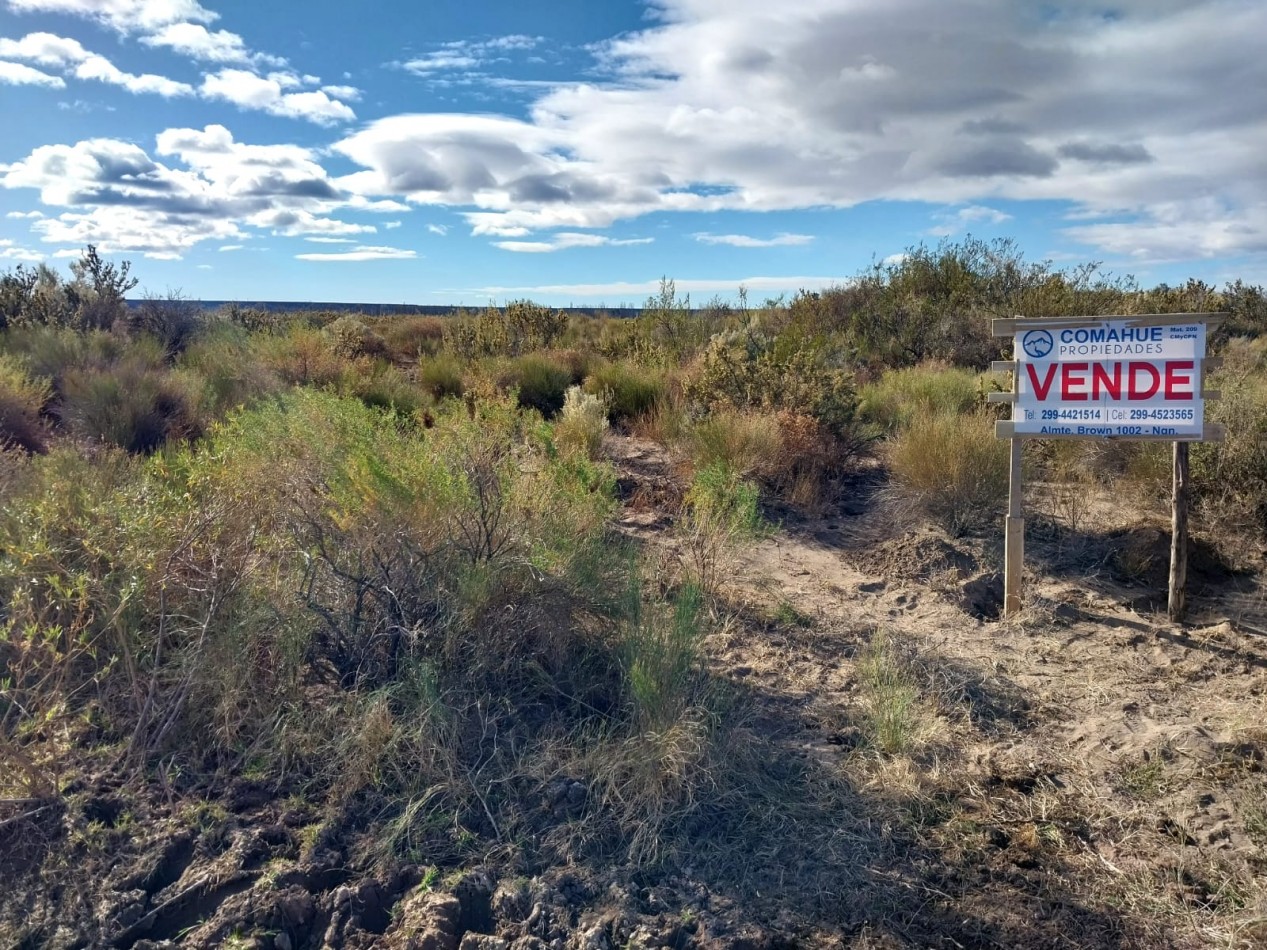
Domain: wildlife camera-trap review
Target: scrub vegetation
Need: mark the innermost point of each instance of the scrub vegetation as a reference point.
(327, 630)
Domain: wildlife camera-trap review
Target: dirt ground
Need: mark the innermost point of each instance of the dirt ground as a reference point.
(1086, 775)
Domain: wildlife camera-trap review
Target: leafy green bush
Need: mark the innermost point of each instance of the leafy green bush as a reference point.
(22, 400)
(953, 467)
(751, 370)
(629, 390)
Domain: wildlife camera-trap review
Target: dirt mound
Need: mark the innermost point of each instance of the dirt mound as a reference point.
(918, 556)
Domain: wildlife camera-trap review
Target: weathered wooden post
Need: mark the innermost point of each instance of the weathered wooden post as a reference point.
(1176, 605)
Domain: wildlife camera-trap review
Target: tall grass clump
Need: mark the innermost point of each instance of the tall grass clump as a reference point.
(893, 714)
(629, 390)
(721, 511)
(229, 372)
(582, 423)
(902, 395)
(953, 468)
(22, 400)
(746, 442)
(441, 376)
(540, 382)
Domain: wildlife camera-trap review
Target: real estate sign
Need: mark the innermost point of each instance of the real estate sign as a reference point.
(1116, 378)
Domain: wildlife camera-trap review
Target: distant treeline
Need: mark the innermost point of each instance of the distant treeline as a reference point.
(381, 309)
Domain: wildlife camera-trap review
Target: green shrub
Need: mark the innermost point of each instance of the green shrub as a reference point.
(1230, 477)
(721, 509)
(901, 395)
(751, 370)
(953, 467)
(629, 390)
(228, 369)
(541, 383)
(441, 376)
(383, 386)
(22, 400)
(130, 404)
(582, 423)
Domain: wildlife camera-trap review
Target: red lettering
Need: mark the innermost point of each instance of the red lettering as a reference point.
(1102, 383)
(1133, 390)
(1041, 389)
(1175, 377)
(1071, 376)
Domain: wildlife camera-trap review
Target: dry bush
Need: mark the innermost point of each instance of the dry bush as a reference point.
(539, 380)
(302, 356)
(749, 443)
(352, 338)
(582, 423)
(410, 338)
(952, 467)
(22, 400)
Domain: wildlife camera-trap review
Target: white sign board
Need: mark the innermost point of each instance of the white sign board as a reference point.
(1114, 379)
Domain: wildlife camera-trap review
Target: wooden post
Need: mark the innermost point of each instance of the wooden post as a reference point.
(1177, 606)
(1013, 534)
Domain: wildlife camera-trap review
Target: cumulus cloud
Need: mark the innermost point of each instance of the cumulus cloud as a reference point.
(251, 91)
(18, 74)
(744, 240)
(362, 253)
(732, 104)
(565, 240)
(199, 185)
(25, 214)
(197, 42)
(123, 16)
(48, 49)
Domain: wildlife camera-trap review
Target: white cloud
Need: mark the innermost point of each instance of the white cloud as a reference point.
(329, 240)
(11, 252)
(48, 49)
(642, 289)
(250, 91)
(468, 54)
(391, 225)
(125, 16)
(363, 253)
(351, 93)
(232, 247)
(208, 186)
(732, 104)
(45, 49)
(17, 74)
(102, 70)
(197, 42)
(565, 240)
(25, 214)
(439, 229)
(954, 222)
(743, 240)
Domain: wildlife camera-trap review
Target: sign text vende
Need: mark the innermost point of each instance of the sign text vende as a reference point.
(1112, 379)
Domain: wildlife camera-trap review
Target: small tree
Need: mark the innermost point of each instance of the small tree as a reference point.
(98, 290)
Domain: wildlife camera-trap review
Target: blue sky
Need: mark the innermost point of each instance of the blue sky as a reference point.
(574, 151)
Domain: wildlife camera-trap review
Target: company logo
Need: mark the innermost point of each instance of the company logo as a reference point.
(1037, 344)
